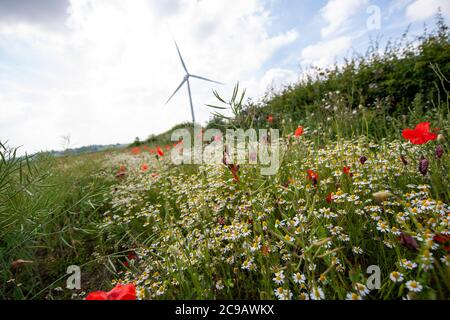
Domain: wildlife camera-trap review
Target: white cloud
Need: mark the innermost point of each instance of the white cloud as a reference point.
(398, 5)
(325, 52)
(106, 79)
(275, 78)
(423, 9)
(337, 14)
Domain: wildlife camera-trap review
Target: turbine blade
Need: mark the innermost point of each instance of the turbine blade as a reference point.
(181, 84)
(206, 79)
(181, 58)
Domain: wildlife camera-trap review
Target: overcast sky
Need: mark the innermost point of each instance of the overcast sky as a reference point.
(101, 70)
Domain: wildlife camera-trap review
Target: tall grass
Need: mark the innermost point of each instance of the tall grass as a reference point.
(47, 210)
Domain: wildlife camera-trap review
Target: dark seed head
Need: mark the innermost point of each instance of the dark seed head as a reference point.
(439, 151)
(362, 159)
(408, 242)
(423, 166)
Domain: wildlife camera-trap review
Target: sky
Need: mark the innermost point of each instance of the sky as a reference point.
(100, 71)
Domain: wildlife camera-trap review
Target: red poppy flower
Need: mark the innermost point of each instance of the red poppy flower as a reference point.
(159, 151)
(420, 134)
(270, 118)
(330, 197)
(167, 147)
(144, 167)
(346, 170)
(131, 256)
(298, 132)
(312, 175)
(234, 171)
(136, 150)
(119, 292)
(441, 238)
(122, 169)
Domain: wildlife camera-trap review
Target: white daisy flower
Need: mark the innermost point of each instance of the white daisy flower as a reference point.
(409, 265)
(414, 286)
(303, 296)
(353, 296)
(279, 277)
(361, 289)
(317, 294)
(219, 285)
(299, 278)
(396, 276)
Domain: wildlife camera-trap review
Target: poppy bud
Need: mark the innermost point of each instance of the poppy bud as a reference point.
(120, 175)
(423, 166)
(439, 151)
(382, 195)
(440, 138)
(363, 159)
(18, 263)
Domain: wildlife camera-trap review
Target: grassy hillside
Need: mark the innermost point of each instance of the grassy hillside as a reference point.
(382, 91)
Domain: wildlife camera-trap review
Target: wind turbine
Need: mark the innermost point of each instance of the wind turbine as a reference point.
(186, 80)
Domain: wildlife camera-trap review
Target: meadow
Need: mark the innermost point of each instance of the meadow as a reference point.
(362, 187)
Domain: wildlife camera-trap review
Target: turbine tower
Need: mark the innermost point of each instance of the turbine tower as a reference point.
(186, 80)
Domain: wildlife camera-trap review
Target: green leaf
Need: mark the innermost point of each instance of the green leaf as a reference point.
(216, 107)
